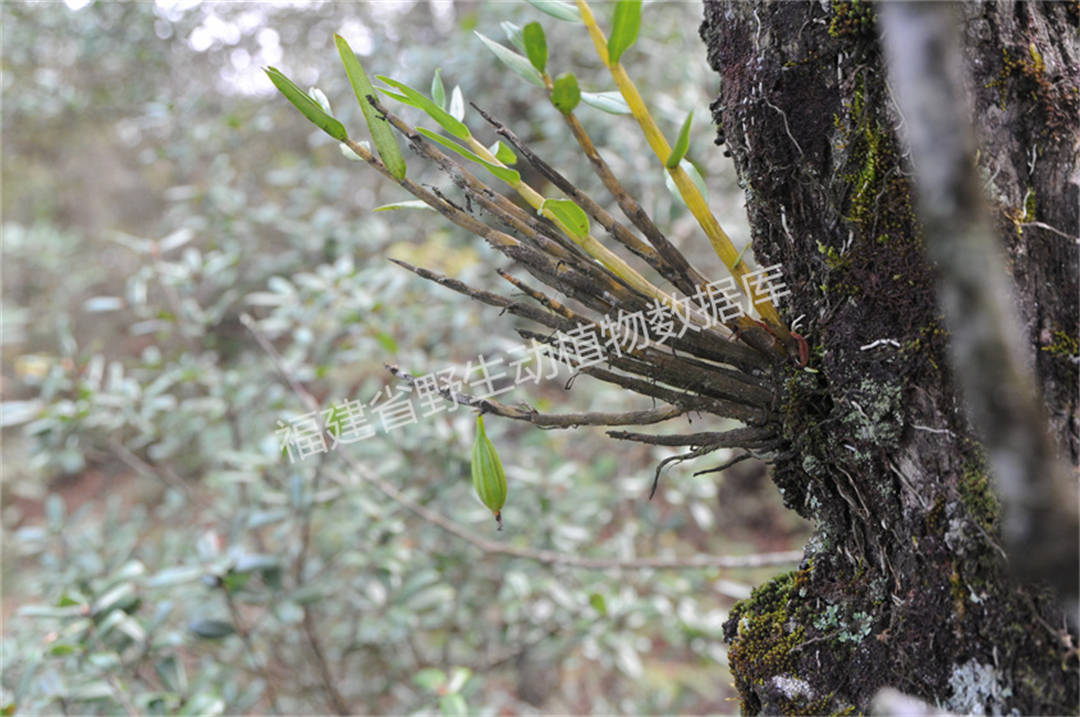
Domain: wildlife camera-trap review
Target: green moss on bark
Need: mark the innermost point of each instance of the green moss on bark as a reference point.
(1023, 73)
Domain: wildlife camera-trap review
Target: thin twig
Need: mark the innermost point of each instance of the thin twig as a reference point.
(120, 695)
(333, 695)
(337, 702)
(302, 393)
(551, 557)
(538, 296)
(249, 647)
(133, 461)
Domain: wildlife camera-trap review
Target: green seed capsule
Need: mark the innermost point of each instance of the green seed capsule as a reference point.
(488, 477)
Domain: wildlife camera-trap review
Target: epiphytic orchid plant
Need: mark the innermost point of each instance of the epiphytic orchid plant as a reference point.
(721, 366)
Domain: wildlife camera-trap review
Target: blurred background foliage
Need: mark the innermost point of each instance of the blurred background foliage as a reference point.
(160, 556)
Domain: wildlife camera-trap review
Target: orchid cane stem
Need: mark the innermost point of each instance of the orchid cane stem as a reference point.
(720, 241)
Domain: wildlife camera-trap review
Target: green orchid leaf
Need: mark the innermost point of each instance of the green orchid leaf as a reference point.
(565, 94)
(681, 144)
(307, 106)
(624, 28)
(514, 61)
(417, 100)
(395, 96)
(610, 102)
(510, 176)
(503, 153)
(382, 134)
(571, 215)
(557, 9)
(535, 45)
(438, 92)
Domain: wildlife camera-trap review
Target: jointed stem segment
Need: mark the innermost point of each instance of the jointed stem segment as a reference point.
(720, 241)
(546, 420)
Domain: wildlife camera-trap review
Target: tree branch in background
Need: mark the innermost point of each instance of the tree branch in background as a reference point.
(551, 557)
(1038, 492)
(244, 634)
(333, 695)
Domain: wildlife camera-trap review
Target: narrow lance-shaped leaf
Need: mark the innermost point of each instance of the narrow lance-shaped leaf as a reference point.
(438, 92)
(395, 96)
(307, 106)
(624, 28)
(488, 477)
(513, 34)
(382, 135)
(610, 102)
(681, 144)
(514, 61)
(415, 99)
(510, 176)
(565, 94)
(557, 9)
(571, 215)
(535, 45)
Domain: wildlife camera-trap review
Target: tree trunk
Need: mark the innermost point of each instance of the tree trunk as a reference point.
(904, 583)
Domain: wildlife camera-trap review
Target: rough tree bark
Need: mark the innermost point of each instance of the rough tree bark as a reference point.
(905, 582)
